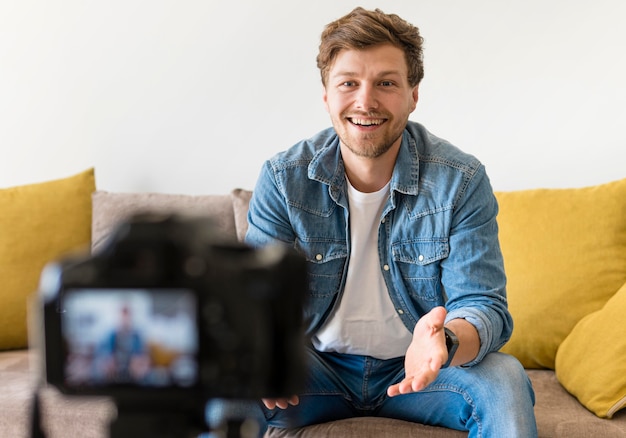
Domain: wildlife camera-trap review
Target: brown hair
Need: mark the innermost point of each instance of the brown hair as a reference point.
(361, 29)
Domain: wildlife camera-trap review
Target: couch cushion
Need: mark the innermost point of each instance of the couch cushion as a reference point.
(111, 208)
(560, 415)
(565, 256)
(591, 361)
(38, 224)
(61, 416)
(363, 427)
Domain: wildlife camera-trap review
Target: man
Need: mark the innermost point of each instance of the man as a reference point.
(407, 304)
(123, 357)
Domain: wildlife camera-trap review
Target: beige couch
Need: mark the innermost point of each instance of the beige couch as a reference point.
(558, 413)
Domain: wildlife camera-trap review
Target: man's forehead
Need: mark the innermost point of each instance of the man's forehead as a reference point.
(384, 60)
(386, 73)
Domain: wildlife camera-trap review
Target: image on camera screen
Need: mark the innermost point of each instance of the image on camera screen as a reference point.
(130, 337)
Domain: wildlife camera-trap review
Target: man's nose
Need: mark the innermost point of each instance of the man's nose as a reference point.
(366, 98)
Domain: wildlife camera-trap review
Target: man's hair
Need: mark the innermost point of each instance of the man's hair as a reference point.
(361, 29)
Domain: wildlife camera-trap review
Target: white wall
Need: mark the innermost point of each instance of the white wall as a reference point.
(192, 96)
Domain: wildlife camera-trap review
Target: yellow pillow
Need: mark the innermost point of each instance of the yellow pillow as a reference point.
(565, 256)
(38, 224)
(591, 361)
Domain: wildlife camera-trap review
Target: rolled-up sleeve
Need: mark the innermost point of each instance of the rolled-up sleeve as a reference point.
(473, 274)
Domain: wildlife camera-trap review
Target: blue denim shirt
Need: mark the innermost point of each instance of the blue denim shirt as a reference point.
(437, 239)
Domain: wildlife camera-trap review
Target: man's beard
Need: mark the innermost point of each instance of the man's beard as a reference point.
(368, 145)
(369, 148)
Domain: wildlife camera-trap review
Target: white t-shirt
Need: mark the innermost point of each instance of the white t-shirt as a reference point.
(365, 321)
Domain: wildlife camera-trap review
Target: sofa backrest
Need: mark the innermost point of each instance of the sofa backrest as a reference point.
(229, 211)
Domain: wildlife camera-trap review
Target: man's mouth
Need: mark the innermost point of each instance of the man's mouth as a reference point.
(366, 122)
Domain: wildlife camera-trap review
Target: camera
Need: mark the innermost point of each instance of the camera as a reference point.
(167, 315)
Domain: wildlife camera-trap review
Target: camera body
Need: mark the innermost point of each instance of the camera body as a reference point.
(167, 313)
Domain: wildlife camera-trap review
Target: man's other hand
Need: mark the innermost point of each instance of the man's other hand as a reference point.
(282, 403)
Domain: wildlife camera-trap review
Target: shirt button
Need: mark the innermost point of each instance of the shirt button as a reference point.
(383, 221)
(386, 267)
(319, 257)
(420, 258)
(400, 312)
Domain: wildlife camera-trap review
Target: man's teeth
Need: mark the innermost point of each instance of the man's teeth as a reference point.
(368, 122)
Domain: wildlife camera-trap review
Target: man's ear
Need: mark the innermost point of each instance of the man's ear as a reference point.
(325, 97)
(415, 95)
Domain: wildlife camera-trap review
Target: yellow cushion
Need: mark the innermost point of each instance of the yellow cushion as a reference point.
(565, 256)
(38, 224)
(591, 361)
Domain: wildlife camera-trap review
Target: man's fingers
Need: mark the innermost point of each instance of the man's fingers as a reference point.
(408, 385)
(269, 403)
(282, 403)
(419, 384)
(404, 387)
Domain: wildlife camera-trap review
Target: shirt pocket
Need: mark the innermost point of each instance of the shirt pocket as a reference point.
(326, 260)
(419, 263)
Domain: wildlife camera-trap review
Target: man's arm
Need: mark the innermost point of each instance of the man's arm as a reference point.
(268, 218)
(473, 274)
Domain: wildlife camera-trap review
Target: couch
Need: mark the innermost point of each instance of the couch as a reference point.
(565, 255)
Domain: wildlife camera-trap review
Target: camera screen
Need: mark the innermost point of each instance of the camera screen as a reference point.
(130, 337)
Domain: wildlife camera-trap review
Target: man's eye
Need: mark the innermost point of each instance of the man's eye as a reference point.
(348, 84)
(386, 83)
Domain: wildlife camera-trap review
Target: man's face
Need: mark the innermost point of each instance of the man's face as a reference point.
(369, 99)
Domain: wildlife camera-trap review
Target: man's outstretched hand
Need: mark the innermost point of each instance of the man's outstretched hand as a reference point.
(425, 355)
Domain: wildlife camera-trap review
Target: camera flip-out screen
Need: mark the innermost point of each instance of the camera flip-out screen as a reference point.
(130, 337)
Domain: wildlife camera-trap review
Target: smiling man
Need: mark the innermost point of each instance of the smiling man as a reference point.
(407, 304)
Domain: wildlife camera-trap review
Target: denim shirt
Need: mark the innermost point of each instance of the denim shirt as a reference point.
(437, 239)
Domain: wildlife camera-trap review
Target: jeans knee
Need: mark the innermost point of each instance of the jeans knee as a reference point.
(503, 374)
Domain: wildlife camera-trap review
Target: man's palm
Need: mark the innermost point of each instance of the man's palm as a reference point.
(426, 354)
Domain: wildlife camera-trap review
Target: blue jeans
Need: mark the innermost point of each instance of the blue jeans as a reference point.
(491, 399)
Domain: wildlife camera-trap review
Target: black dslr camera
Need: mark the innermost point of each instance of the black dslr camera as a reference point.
(168, 316)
